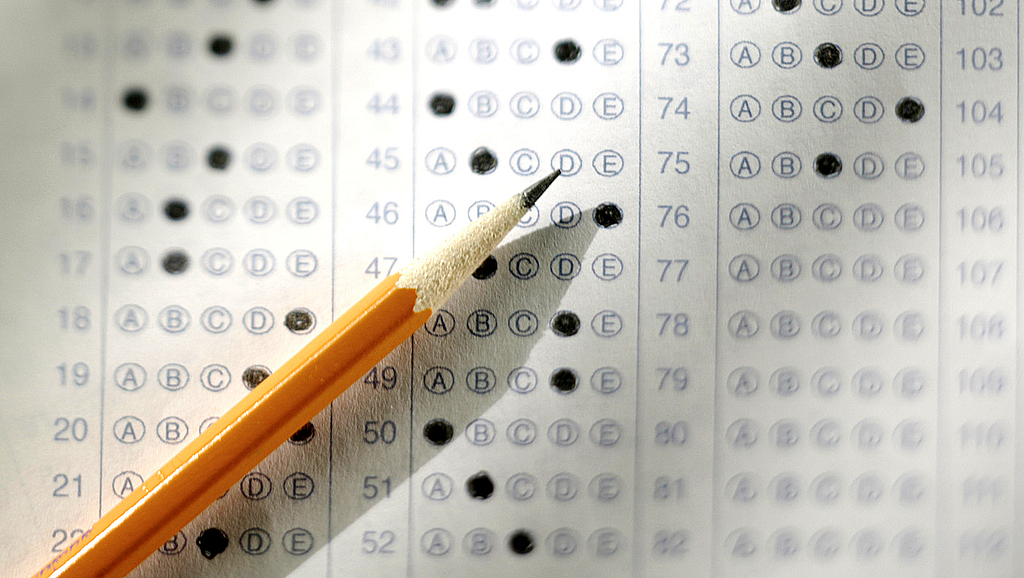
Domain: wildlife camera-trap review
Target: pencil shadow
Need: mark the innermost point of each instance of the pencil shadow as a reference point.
(424, 408)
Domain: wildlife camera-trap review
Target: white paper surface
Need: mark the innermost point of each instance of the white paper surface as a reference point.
(777, 373)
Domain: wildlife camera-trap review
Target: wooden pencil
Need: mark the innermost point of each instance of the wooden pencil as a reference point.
(261, 421)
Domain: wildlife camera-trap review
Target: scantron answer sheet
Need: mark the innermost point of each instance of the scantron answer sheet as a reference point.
(765, 324)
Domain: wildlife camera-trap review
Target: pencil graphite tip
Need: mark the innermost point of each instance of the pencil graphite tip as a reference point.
(533, 193)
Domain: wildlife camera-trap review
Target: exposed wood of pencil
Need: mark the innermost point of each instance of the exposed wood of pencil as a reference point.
(266, 417)
(285, 401)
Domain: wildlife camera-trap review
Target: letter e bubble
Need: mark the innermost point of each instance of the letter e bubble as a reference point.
(608, 106)
(609, 52)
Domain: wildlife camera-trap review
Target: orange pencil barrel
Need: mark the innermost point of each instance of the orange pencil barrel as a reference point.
(259, 423)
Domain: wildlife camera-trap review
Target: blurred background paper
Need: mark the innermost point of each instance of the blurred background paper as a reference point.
(766, 324)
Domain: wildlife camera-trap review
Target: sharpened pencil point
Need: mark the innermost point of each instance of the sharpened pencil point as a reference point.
(533, 193)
